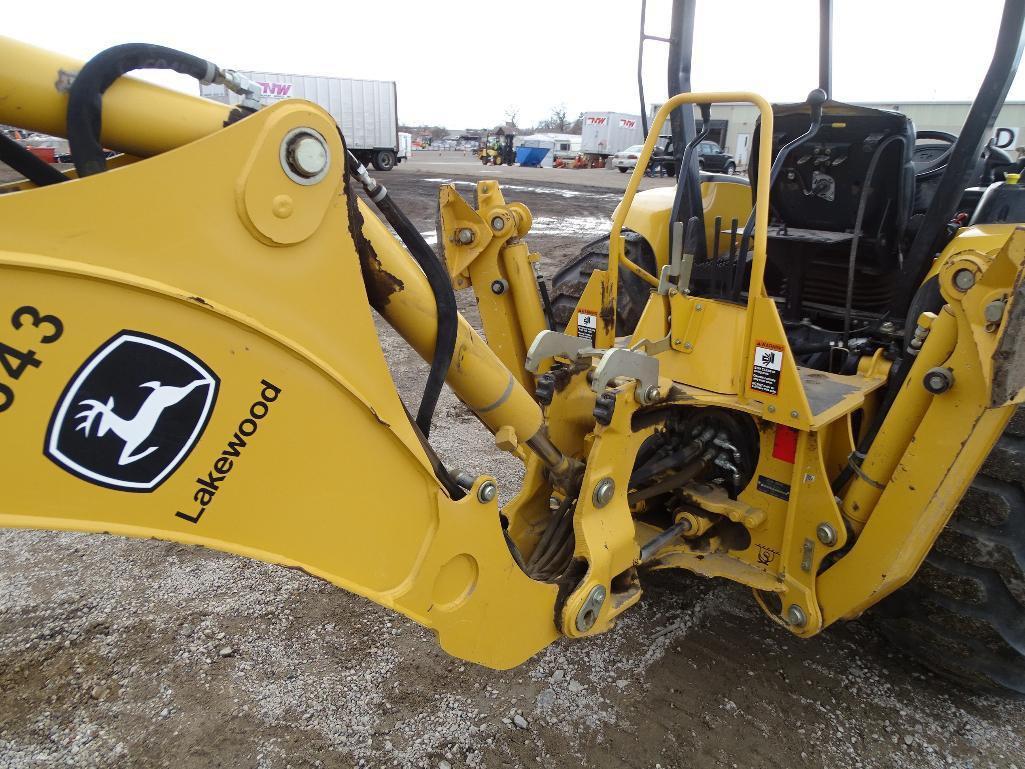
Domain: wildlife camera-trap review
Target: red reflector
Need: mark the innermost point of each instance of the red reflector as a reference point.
(784, 447)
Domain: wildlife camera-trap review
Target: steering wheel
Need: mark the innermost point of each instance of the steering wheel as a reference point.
(927, 162)
(930, 160)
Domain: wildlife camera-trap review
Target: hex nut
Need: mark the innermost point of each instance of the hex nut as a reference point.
(497, 223)
(651, 394)
(465, 236)
(796, 616)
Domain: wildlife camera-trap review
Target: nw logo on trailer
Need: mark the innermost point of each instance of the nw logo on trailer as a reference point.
(132, 413)
(277, 90)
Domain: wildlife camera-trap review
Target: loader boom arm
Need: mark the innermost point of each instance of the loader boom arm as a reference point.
(209, 265)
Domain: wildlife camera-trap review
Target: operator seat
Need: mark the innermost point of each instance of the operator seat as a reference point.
(815, 200)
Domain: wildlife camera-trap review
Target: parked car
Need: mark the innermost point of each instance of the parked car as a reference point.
(712, 158)
(627, 159)
(660, 162)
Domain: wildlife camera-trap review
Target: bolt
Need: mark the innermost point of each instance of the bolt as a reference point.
(676, 341)
(685, 524)
(826, 534)
(772, 409)
(698, 307)
(306, 154)
(465, 236)
(497, 223)
(498, 286)
(603, 492)
(888, 327)
(589, 611)
(994, 311)
(796, 616)
(688, 346)
(938, 380)
(794, 414)
(553, 503)
(964, 279)
(651, 394)
(487, 491)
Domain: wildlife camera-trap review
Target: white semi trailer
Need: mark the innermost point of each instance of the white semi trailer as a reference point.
(366, 110)
(606, 133)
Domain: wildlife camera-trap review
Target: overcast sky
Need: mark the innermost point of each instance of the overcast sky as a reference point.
(465, 64)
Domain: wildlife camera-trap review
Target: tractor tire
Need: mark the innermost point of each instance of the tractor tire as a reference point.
(384, 160)
(963, 613)
(568, 283)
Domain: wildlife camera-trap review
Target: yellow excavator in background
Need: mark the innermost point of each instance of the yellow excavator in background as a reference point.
(790, 383)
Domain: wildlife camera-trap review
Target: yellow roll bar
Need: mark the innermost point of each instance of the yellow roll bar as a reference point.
(616, 255)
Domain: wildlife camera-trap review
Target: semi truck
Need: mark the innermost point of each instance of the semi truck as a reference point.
(366, 110)
(606, 133)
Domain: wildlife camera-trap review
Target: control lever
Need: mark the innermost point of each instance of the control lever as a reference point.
(815, 101)
(685, 164)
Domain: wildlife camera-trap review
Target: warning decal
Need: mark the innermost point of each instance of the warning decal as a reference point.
(587, 325)
(767, 365)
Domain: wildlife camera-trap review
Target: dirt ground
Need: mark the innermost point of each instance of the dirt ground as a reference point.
(145, 654)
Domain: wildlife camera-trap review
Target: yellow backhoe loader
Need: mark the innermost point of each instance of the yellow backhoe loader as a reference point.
(790, 384)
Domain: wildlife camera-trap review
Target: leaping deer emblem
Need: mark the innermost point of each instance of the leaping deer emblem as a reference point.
(136, 430)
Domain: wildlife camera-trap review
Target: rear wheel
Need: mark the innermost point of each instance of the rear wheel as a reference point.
(568, 283)
(731, 169)
(384, 160)
(963, 614)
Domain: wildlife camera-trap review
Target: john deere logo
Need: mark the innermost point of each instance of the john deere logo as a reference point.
(132, 413)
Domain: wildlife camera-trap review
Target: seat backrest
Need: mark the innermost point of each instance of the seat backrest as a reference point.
(820, 184)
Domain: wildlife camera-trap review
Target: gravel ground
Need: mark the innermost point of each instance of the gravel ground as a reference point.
(138, 653)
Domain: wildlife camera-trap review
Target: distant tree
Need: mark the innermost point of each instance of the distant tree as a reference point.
(558, 119)
(577, 127)
(512, 114)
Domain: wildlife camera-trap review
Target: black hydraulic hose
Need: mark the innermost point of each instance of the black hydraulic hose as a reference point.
(856, 240)
(437, 278)
(679, 457)
(85, 102)
(36, 170)
(688, 473)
